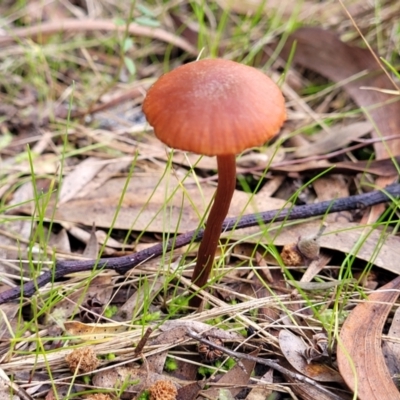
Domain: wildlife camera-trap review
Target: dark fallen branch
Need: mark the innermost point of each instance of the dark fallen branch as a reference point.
(125, 263)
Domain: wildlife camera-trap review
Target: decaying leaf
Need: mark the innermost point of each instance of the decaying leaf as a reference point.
(76, 180)
(189, 392)
(336, 138)
(93, 331)
(359, 353)
(294, 349)
(237, 378)
(262, 391)
(134, 305)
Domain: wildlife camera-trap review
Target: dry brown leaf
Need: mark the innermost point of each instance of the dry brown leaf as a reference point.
(336, 138)
(315, 268)
(144, 206)
(8, 321)
(60, 241)
(322, 51)
(178, 328)
(237, 378)
(156, 362)
(305, 391)
(78, 178)
(385, 167)
(359, 353)
(134, 305)
(93, 331)
(294, 348)
(110, 169)
(92, 246)
(190, 392)
(332, 187)
(366, 243)
(261, 392)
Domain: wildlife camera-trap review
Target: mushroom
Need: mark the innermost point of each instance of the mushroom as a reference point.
(214, 107)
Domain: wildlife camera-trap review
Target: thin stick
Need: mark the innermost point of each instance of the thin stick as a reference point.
(125, 263)
(143, 341)
(269, 363)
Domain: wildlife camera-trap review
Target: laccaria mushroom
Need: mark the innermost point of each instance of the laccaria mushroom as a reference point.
(215, 108)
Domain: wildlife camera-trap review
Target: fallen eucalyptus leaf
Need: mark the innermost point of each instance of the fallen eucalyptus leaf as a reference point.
(359, 352)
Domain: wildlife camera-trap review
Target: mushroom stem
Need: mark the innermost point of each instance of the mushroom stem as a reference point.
(218, 212)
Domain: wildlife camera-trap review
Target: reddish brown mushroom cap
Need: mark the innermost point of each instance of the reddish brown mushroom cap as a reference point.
(215, 107)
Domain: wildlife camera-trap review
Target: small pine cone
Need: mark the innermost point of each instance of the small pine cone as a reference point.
(83, 359)
(163, 390)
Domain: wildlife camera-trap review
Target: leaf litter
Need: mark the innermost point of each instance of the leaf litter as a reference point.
(60, 195)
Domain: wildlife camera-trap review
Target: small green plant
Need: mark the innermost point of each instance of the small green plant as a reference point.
(110, 311)
(178, 305)
(170, 365)
(144, 395)
(111, 357)
(205, 371)
(155, 316)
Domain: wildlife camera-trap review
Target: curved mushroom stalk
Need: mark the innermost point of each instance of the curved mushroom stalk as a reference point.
(219, 210)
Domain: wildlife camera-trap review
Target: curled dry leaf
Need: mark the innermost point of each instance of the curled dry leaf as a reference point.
(359, 353)
(295, 350)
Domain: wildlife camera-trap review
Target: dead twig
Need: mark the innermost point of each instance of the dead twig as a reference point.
(269, 363)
